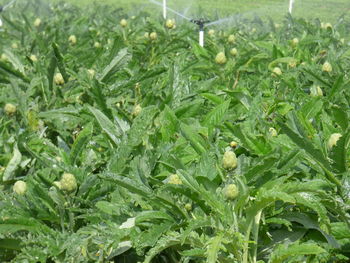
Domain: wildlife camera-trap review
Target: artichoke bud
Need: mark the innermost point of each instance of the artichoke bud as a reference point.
(229, 161)
(153, 36)
(72, 39)
(231, 192)
(327, 67)
(332, 141)
(123, 23)
(221, 58)
(10, 109)
(68, 182)
(277, 71)
(20, 187)
(59, 80)
(188, 207)
(231, 39)
(174, 179)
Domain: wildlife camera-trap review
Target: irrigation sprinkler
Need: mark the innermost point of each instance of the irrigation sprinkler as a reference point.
(200, 22)
(291, 2)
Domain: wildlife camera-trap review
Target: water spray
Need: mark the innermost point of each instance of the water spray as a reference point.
(3, 8)
(200, 22)
(169, 9)
(291, 2)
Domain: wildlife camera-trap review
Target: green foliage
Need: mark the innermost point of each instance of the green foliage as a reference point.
(134, 113)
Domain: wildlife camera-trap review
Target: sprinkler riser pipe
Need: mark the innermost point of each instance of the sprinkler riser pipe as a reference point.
(201, 37)
(164, 9)
(291, 2)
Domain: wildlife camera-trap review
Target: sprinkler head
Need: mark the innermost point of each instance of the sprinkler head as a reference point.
(200, 22)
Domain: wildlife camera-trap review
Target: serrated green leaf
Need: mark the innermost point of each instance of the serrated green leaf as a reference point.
(283, 252)
(216, 116)
(13, 164)
(106, 125)
(119, 61)
(213, 248)
(80, 142)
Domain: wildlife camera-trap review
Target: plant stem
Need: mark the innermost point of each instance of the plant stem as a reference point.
(255, 232)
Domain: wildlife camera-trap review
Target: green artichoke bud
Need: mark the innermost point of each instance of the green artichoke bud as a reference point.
(188, 207)
(233, 144)
(20, 187)
(137, 110)
(153, 36)
(229, 161)
(231, 39)
(234, 52)
(316, 91)
(327, 67)
(221, 58)
(231, 192)
(174, 179)
(170, 23)
(273, 132)
(59, 79)
(277, 71)
(332, 141)
(123, 22)
(68, 182)
(10, 109)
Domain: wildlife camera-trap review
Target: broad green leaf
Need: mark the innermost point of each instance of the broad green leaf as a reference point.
(216, 116)
(150, 237)
(285, 60)
(80, 142)
(106, 125)
(15, 61)
(13, 164)
(340, 116)
(169, 124)
(118, 62)
(261, 167)
(309, 222)
(283, 252)
(306, 144)
(59, 113)
(128, 184)
(172, 239)
(312, 108)
(5, 67)
(194, 138)
(60, 62)
(213, 248)
(337, 86)
(213, 98)
(339, 153)
(9, 243)
(340, 230)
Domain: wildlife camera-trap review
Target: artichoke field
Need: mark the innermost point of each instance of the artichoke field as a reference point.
(123, 140)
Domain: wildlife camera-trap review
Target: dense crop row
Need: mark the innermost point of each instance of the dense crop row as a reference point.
(123, 140)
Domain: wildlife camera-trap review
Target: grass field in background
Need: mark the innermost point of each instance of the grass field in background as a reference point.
(327, 10)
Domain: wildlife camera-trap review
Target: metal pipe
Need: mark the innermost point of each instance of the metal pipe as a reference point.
(291, 2)
(201, 38)
(164, 9)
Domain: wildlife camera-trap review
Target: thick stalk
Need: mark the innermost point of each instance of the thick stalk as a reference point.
(246, 244)
(255, 232)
